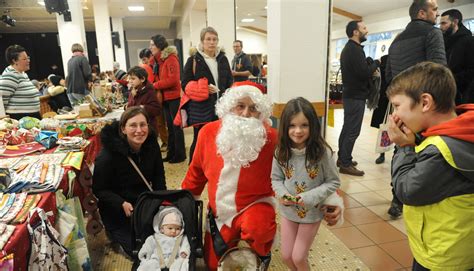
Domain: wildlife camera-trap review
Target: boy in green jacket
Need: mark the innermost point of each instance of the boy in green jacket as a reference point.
(433, 168)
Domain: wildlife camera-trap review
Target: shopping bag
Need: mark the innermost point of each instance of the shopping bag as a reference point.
(46, 251)
(383, 143)
(74, 241)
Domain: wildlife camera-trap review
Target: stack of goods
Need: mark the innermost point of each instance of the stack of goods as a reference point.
(35, 174)
(71, 144)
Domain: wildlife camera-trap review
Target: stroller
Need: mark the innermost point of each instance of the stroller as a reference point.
(147, 206)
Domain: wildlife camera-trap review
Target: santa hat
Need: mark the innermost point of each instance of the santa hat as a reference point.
(262, 88)
(230, 98)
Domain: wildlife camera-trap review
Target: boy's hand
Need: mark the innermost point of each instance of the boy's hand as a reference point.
(399, 133)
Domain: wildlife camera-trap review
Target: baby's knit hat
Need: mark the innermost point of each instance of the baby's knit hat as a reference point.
(171, 219)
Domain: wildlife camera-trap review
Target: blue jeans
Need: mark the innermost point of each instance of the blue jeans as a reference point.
(353, 116)
(76, 98)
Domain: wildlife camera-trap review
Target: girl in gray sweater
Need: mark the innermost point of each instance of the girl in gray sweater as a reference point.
(304, 174)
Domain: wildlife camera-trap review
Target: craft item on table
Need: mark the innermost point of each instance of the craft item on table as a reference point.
(47, 138)
(49, 124)
(29, 122)
(73, 159)
(71, 144)
(15, 208)
(23, 149)
(69, 116)
(19, 136)
(30, 203)
(8, 124)
(32, 179)
(7, 201)
(90, 203)
(5, 234)
(5, 178)
(6, 262)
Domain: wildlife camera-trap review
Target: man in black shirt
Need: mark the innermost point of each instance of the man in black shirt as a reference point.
(241, 65)
(356, 73)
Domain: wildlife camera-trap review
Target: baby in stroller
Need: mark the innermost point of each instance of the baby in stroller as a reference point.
(168, 248)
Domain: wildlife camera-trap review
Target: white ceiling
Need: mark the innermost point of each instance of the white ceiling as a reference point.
(161, 14)
(32, 17)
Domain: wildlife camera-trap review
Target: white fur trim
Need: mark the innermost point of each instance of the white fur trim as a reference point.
(335, 200)
(226, 208)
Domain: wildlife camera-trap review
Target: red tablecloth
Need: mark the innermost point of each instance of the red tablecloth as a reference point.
(19, 242)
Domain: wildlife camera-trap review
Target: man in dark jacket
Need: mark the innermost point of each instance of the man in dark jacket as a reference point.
(420, 41)
(241, 65)
(78, 75)
(459, 53)
(356, 73)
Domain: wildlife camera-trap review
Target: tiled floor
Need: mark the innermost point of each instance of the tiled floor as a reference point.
(380, 242)
(367, 239)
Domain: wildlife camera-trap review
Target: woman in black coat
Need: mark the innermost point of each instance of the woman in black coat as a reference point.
(210, 62)
(117, 184)
(379, 112)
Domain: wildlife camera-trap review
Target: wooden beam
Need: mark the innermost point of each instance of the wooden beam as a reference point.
(256, 29)
(346, 14)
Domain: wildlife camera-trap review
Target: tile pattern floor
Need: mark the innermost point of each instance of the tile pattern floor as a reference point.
(368, 239)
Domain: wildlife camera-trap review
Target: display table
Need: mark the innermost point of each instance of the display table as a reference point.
(19, 242)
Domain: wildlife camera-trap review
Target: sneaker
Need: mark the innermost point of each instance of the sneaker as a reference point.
(164, 147)
(338, 163)
(351, 170)
(395, 210)
(380, 159)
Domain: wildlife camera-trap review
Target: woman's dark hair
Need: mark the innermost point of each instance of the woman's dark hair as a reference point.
(315, 144)
(159, 41)
(130, 113)
(138, 72)
(13, 52)
(145, 52)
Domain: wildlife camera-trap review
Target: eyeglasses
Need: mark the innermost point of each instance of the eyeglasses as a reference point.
(134, 126)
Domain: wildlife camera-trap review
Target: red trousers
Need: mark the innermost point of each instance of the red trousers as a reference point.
(256, 225)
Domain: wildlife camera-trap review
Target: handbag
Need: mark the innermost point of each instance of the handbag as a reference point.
(383, 143)
(140, 173)
(46, 252)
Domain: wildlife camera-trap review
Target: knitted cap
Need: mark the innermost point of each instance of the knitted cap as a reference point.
(171, 219)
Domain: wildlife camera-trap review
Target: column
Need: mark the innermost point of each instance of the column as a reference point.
(103, 34)
(220, 15)
(197, 21)
(71, 32)
(120, 56)
(297, 63)
(184, 33)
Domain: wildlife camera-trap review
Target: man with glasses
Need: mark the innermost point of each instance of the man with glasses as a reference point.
(241, 65)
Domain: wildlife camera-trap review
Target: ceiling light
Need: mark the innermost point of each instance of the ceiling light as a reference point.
(85, 7)
(40, 2)
(266, 7)
(247, 20)
(136, 8)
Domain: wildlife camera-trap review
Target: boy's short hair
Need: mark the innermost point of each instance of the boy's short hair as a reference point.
(426, 77)
(76, 47)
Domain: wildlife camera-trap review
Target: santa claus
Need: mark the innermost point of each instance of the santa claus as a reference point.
(233, 157)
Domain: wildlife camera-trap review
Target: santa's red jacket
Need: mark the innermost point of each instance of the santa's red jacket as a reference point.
(235, 188)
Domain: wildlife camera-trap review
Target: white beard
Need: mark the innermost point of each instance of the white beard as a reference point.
(240, 140)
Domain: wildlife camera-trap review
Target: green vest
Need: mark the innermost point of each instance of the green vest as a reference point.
(441, 235)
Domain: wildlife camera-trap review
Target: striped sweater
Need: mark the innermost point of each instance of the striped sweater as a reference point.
(18, 93)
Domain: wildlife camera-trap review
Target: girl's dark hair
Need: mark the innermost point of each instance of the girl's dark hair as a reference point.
(138, 72)
(130, 113)
(13, 52)
(145, 52)
(159, 41)
(315, 145)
